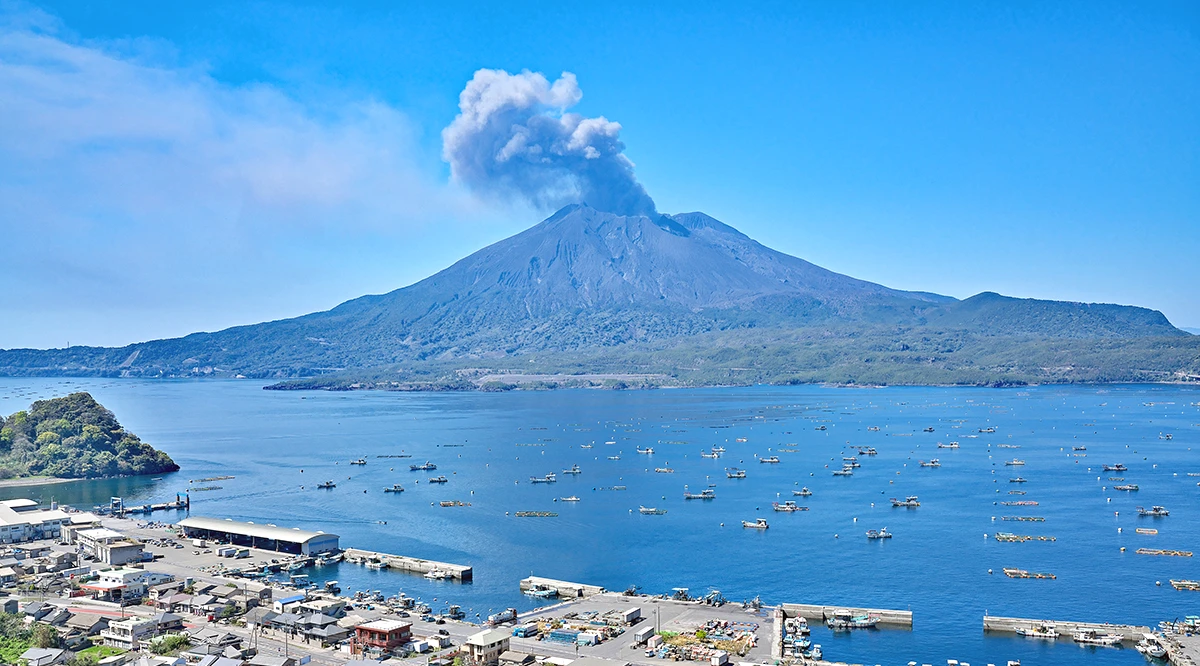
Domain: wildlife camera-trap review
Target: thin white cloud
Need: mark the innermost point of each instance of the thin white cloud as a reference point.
(86, 131)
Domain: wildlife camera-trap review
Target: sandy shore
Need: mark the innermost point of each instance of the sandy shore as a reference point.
(33, 481)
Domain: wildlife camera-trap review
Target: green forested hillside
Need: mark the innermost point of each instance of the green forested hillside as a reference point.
(74, 437)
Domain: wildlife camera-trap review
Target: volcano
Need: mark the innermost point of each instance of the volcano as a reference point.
(589, 282)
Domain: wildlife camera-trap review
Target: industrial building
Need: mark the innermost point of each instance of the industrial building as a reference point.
(24, 520)
(267, 537)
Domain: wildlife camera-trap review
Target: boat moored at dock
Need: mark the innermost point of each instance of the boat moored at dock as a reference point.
(1044, 631)
(1093, 637)
(844, 620)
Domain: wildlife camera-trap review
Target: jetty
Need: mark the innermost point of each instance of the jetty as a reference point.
(565, 589)
(411, 564)
(892, 618)
(1010, 625)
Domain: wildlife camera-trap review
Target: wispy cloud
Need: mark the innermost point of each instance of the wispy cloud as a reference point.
(147, 194)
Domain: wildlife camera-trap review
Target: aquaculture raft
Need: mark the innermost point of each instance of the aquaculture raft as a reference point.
(1159, 551)
(536, 514)
(1021, 573)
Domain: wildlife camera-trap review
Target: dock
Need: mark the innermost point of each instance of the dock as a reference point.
(566, 589)
(820, 613)
(1067, 627)
(458, 572)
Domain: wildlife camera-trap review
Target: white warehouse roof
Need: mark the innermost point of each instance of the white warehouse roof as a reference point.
(293, 535)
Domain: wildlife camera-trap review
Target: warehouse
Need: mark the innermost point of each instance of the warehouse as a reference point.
(266, 537)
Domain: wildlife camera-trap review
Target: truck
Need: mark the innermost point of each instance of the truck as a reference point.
(642, 635)
(631, 615)
(525, 631)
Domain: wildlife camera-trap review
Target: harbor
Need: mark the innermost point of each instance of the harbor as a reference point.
(564, 589)
(1013, 625)
(414, 565)
(898, 619)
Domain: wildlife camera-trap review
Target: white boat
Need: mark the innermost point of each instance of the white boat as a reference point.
(843, 472)
(437, 574)
(651, 511)
(1046, 630)
(573, 470)
(572, 498)
(932, 463)
(758, 524)
(1151, 646)
(1093, 637)
(803, 492)
(648, 450)
(1014, 462)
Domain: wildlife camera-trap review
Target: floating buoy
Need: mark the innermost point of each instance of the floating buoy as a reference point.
(989, 571)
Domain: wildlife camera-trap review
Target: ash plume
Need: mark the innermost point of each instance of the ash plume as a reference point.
(514, 138)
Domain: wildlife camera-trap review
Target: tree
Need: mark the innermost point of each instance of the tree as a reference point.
(44, 636)
(170, 644)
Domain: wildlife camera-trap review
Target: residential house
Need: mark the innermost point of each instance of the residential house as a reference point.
(486, 647)
(382, 635)
(45, 656)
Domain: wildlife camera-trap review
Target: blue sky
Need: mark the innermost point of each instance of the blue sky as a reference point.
(168, 168)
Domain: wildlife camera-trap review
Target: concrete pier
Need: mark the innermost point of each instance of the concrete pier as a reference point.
(412, 564)
(1065, 627)
(566, 589)
(892, 618)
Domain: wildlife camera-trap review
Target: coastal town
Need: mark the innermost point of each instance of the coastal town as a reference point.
(106, 587)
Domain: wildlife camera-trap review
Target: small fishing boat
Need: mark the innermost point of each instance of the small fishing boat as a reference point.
(909, 502)
(585, 446)
(843, 472)
(820, 427)
(664, 470)
(844, 620)
(360, 461)
(758, 524)
(427, 467)
(721, 449)
(1015, 462)
(770, 461)
(1079, 448)
(572, 498)
(1116, 468)
(439, 479)
(873, 429)
(542, 591)
(988, 430)
(376, 565)
(396, 488)
(712, 456)
(803, 492)
(549, 478)
(438, 574)
(1128, 487)
(735, 473)
(647, 451)
(1018, 480)
(931, 463)
(929, 429)
(1045, 631)
(788, 507)
(1093, 637)
(651, 511)
(1153, 512)
(573, 470)
(614, 457)
(706, 494)
(327, 484)
(867, 451)
(1151, 646)
(879, 534)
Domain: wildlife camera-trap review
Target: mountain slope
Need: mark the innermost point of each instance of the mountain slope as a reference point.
(586, 280)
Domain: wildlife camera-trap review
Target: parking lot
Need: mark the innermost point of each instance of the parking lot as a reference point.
(664, 614)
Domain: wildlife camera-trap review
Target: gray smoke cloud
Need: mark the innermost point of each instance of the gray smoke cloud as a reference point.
(514, 138)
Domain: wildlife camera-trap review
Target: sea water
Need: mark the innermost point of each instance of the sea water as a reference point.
(280, 445)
